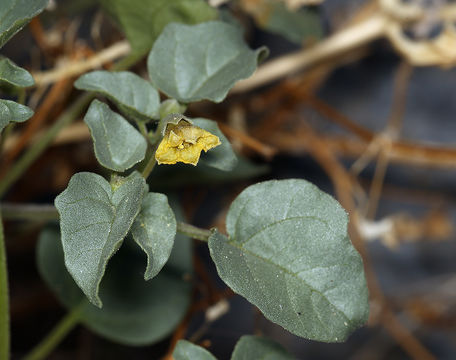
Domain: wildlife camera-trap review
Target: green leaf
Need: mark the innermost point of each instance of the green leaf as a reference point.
(135, 312)
(297, 26)
(118, 145)
(254, 347)
(289, 254)
(154, 230)
(15, 14)
(143, 20)
(95, 218)
(14, 75)
(196, 62)
(221, 157)
(11, 111)
(185, 350)
(135, 97)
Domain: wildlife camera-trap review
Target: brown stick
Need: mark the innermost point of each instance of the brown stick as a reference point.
(54, 96)
(392, 131)
(265, 150)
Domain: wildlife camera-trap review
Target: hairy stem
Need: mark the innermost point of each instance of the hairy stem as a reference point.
(143, 129)
(35, 212)
(57, 334)
(21, 166)
(4, 299)
(154, 140)
(193, 231)
(21, 96)
(150, 165)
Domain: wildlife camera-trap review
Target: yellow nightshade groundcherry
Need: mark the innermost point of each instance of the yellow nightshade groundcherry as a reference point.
(183, 143)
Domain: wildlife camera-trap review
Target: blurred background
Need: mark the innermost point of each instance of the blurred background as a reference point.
(358, 97)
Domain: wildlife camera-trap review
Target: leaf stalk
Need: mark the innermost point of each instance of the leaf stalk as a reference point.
(57, 334)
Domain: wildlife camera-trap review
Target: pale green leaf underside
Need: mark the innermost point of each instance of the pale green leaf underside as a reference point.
(14, 75)
(185, 350)
(143, 20)
(221, 157)
(154, 230)
(118, 145)
(134, 96)
(254, 347)
(288, 253)
(15, 14)
(135, 312)
(11, 111)
(196, 62)
(94, 220)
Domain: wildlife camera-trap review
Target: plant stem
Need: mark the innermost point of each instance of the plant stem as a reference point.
(154, 140)
(38, 148)
(57, 334)
(6, 133)
(21, 96)
(32, 212)
(193, 231)
(150, 165)
(143, 129)
(35, 212)
(4, 299)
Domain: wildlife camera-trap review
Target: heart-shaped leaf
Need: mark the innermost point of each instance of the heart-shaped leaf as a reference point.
(15, 14)
(254, 347)
(154, 230)
(203, 61)
(185, 350)
(289, 254)
(94, 219)
(135, 312)
(118, 145)
(143, 20)
(11, 111)
(135, 97)
(222, 157)
(14, 75)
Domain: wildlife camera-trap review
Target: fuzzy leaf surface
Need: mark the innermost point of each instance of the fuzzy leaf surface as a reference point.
(289, 254)
(15, 14)
(11, 111)
(221, 157)
(154, 230)
(118, 145)
(185, 350)
(255, 347)
(94, 219)
(135, 312)
(143, 20)
(203, 61)
(135, 97)
(14, 75)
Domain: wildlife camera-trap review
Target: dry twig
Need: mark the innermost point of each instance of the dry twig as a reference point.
(68, 69)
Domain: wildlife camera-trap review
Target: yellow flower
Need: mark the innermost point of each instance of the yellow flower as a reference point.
(184, 142)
